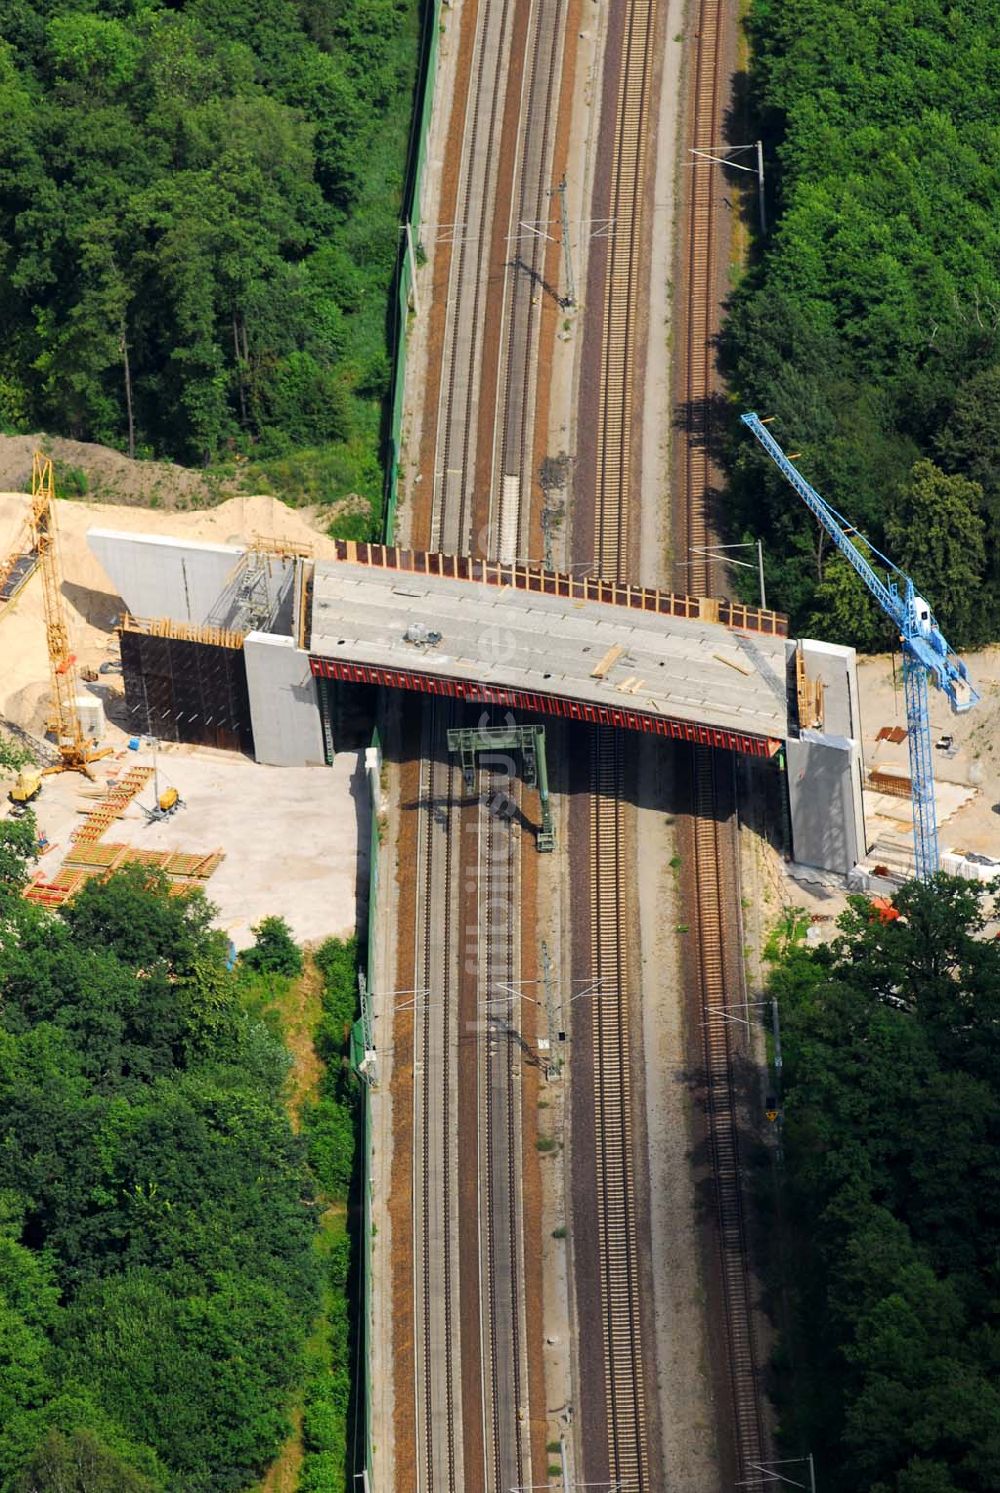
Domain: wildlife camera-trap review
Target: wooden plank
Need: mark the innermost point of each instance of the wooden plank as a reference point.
(733, 664)
(612, 656)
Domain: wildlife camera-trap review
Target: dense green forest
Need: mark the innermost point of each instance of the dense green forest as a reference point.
(199, 205)
(173, 1265)
(870, 324)
(891, 1234)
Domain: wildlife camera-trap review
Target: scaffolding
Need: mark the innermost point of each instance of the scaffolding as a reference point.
(253, 591)
(20, 563)
(185, 632)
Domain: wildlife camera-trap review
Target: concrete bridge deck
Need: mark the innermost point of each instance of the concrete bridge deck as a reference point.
(646, 660)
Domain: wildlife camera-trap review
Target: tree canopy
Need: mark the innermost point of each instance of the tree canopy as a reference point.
(869, 326)
(158, 1276)
(891, 1041)
(199, 202)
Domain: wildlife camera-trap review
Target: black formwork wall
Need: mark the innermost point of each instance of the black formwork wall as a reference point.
(182, 691)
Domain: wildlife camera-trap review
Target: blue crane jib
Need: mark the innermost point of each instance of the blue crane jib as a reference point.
(925, 648)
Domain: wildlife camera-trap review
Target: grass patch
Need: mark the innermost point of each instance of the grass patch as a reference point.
(314, 1012)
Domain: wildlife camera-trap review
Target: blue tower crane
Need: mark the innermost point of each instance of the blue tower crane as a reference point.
(926, 653)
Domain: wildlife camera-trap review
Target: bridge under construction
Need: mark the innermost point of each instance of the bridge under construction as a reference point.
(710, 671)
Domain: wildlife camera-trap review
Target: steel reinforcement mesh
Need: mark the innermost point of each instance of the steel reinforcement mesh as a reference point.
(177, 690)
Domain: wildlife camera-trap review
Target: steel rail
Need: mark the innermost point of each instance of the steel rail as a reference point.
(625, 1394)
(454, 459)
(439, 1460)
(524, 284)
(615, 423)
(713, 848)
(499, 1053)
(701, 310)
(714, 826)
(618, 1239)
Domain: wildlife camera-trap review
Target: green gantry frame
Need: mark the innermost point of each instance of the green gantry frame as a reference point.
(530, 742)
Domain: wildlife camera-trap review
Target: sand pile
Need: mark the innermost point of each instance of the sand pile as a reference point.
(90, 601)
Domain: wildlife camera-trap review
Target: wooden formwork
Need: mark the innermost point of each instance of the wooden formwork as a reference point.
(90, 855)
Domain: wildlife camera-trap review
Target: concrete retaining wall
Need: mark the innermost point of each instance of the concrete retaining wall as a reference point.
(283, 708)
(824, 793)
(160, 577)
(826, 770)
(192, 582)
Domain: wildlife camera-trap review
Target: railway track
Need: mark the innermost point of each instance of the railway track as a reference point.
(524, 284)
(628, 1460)
(720, 985)
(617, 1224)
(500, 1057)
(621, 297)
(713, 851)
(701, 312)
(457, 417)
(435, 1244)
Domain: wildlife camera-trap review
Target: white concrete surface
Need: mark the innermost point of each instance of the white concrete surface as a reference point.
(667, 667)
(283, 707)
(157, 576)
(826, 801)
(837, 668)
(826, 768)
(296, 839)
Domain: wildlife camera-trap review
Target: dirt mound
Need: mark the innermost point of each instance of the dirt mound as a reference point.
(110, 476)
(91, 604)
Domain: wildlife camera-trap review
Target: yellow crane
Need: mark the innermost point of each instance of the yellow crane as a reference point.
(76, 751)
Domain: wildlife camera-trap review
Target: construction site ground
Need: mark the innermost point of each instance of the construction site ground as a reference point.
(966, 786)
(967, 775)
(294, 839)
(91, 604)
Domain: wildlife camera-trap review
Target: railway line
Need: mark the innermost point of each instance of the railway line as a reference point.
(713, 851)
(625, 1370)
(440, 1453)
(469, 237)
(621, 296)
(524, 283)
(500, 1057)
(714, 832)
(692, 518)
(492, 1035)
(627, 1458)
(469, 1034)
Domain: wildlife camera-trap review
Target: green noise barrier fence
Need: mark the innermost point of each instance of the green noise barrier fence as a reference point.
(363, 1455)
(404, 267)
(363, 1452)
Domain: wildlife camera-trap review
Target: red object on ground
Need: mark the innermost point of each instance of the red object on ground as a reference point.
(883, 910)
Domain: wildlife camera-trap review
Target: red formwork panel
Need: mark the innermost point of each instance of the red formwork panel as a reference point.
(574, 710)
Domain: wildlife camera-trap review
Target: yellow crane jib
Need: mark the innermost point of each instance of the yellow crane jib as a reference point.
(76, 751)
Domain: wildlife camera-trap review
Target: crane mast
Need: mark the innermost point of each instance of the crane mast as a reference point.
(75, 753)
(926, 652)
